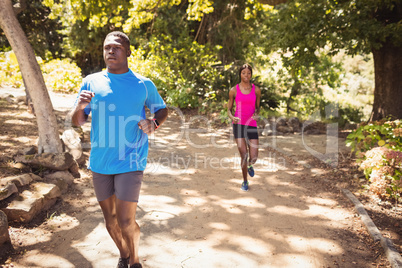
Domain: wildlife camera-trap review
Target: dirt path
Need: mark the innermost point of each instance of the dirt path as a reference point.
(192, 212)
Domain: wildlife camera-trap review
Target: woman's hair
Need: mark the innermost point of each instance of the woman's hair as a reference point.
(245, 66)
(122, 35)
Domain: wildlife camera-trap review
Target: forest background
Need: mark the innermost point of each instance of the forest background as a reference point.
(307, 56)
(335, 61)
(192, 50)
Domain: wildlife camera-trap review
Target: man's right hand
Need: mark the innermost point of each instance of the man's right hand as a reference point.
(85, 98)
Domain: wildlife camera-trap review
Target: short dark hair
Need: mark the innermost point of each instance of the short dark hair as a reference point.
(245, 66)
(122, 35)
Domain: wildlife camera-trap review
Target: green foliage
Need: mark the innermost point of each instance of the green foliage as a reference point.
(183, 71)
(41, 31)
(303, 92)
(10, 74)
(192, 49)
(59, 75)
(377, 133)
(356, 26)
(62, 75)
(378, 147)
(300, 31)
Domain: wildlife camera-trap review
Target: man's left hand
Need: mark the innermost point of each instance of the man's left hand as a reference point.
(147, 126)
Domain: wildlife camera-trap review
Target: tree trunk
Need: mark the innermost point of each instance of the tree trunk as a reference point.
(388, 82)
(49, 140)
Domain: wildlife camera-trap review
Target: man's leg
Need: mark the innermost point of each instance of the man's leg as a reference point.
(108, 207)
(130, 230)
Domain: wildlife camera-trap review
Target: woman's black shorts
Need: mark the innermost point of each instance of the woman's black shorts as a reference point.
(242, 131)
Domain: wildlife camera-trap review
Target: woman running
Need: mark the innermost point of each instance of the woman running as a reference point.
(247, 97)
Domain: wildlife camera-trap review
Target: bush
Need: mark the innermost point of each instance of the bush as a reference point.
(377, 133)
(383, 168)
(182, 71)
(378, 147)
(60, 75)
(10, 74)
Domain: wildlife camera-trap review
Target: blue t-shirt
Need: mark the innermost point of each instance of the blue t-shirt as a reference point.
(118, 145)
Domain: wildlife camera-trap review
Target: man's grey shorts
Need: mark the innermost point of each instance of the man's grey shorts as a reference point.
(126, 186)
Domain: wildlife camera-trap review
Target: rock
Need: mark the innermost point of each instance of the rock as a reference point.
(4, 235)
(267, 131)
(350, 126)
(7, 97)
(72, 142)
(60, 161)
(21, 99)
(63, 179)
(20, 180)
(74, 170)
(7, 191)
(30, 202)
(31, 150)
(281, 121)
(22, 168)
(295, 124)
(284, 129)
(314, 128)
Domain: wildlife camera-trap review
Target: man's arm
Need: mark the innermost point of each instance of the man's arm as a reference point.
(148, 126)
(78, 116)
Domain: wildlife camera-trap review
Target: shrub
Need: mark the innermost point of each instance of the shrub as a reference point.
(383, 168)
(378, 149)
(10, 74)
(60, 75)
(377, 133)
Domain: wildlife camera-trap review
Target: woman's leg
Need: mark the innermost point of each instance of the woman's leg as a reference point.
(253, 151)
(242, 147)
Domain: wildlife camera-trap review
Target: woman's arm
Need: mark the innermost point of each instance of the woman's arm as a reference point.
(232, 95)
(257, 102)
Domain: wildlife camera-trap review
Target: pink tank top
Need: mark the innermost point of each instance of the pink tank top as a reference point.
(245, 107)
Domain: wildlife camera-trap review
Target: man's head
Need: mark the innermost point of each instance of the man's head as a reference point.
(116, 50)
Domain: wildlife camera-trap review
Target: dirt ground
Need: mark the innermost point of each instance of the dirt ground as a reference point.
(192, 212)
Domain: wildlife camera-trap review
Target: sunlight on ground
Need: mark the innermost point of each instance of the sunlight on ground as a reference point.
(229, 204)
(166, 208)
(219, 226)
(298, 244)
(62, 222)
(48, 260)
(164, 169)
(97, 246)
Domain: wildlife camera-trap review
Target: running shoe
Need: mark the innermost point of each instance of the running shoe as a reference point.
(250, 171)
(244, 186)
(123, 262)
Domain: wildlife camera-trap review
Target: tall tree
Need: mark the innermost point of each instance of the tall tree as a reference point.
(49, 140)
(370, 26)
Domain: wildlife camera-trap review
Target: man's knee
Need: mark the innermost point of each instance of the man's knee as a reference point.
(127, 224)
(110, 221)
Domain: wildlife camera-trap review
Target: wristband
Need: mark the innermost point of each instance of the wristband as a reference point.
(156, 123)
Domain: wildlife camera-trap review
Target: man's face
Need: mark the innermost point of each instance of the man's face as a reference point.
(115, 54)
